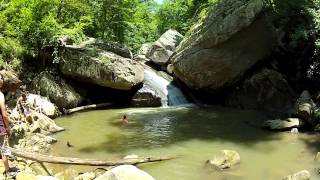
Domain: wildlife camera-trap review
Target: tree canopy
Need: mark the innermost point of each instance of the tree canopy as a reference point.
(30, 26)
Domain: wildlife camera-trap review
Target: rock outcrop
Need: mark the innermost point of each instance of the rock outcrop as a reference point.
(11, 81)
(44, 105)
(57, 89)
(125, 172)
(224, 160)
(266, 90)
(163, 48)
(100, 67)
(233, 37)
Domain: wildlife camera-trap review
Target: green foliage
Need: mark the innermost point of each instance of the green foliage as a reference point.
(298, 22)
(181, 14)
(37, 24)
(129, 22)
(33, 26)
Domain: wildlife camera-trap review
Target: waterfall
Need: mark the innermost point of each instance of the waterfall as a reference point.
(170, 94)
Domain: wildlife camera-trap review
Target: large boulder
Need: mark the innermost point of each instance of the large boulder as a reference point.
(57, 89)
(11, 81)
(234, 36)
(266, 90)
(125, 172)
(102, 68)
(163, 48)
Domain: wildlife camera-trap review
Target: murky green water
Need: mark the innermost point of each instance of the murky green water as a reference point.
(192, 134)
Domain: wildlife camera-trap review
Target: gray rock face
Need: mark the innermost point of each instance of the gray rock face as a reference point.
(266, 90)
(163, 48)
(114, 47)
(57, 89)
(101, 67)
(125, 172)
(233, 37)
(11, 81)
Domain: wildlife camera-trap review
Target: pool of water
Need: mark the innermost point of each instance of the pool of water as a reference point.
(193, 135)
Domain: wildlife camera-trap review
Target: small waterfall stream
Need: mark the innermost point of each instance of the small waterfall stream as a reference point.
(170, 94)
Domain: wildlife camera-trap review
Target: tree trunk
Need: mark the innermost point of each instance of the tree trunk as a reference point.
(91, 106)
(89, 162)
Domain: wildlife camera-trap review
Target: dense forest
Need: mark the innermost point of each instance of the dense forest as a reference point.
(30, 26)
(27, 27)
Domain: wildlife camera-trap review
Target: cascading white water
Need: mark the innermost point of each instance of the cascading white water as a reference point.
(170, 94)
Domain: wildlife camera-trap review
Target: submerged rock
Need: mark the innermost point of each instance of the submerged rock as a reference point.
(57, 89)
(161, 50)
(86, 176)
(102, 68)
(131, 156)
(317, 158)
(233, 37)
(224, 160)
(29, 176)
(302, 175)
(125, 172)
(283, 124)
(67, 174)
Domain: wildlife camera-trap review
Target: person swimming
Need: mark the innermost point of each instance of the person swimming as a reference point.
(125, 120)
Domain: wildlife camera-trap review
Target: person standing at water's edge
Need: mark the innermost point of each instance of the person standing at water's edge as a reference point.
(4, 127)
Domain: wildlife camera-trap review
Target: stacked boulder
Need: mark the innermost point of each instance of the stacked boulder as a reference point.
(222, 47)
(163, 48)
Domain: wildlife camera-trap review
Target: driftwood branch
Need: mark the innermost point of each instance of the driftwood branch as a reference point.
(89, 162)
(91, 106)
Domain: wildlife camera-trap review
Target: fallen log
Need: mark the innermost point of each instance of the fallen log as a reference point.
(81, 108)
(88, 162)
